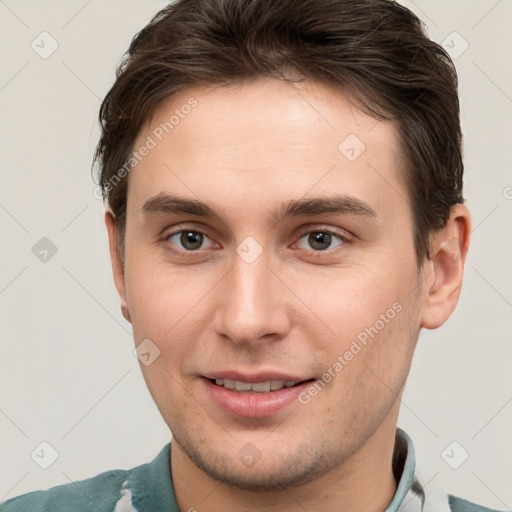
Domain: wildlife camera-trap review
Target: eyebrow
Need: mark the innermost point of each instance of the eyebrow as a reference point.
(338, 204)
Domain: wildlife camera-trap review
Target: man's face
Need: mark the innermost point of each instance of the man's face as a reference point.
(323, 292)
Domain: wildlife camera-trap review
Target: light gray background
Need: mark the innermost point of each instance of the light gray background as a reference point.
(67, 371)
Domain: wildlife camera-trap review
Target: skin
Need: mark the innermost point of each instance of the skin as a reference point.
(246, 150)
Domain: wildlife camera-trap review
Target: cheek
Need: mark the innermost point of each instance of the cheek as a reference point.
(156, 300)
(366, 366)
(372, 319)
(346, 301)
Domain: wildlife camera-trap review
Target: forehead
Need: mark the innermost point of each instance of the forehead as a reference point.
(267, 139)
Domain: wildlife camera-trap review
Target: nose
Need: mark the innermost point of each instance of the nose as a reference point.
(253, 304)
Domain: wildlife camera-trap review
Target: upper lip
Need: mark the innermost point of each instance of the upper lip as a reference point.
(254, 377)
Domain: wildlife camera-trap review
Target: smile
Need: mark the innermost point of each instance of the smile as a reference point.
(257, 399)
(256, 387)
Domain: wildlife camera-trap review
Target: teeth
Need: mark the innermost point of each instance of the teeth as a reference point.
(258, 387)
(261, 387)
(276, 384)
(242, 386)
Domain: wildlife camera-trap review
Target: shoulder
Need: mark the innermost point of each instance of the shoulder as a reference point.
(461, 505)
(145, 487)
(99, 493)
(148, 485)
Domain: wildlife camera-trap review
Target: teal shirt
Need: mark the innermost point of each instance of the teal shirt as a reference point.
(149, 488)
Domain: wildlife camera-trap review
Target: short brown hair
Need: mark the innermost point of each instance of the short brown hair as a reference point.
(375, 50)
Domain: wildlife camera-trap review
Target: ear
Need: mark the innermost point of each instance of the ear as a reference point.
(117, 266)
(445, 268)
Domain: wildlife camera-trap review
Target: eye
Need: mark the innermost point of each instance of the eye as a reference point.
(188, 239)
(321, 240)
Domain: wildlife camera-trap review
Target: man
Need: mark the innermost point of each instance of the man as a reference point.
(285, 214)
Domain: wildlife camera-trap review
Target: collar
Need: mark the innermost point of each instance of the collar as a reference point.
(411, 494)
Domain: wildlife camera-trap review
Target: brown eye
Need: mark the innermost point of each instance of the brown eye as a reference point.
(191, 240)
(320, 240)
(187, 240)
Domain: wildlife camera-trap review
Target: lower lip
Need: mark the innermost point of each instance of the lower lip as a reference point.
(252, 404)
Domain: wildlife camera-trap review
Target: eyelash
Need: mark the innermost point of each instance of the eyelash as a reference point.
(343, 239)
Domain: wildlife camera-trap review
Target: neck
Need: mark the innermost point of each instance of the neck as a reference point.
(365, 481)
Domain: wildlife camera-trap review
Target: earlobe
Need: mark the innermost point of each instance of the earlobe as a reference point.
(126, 313)
(117, 265)
(443, 285)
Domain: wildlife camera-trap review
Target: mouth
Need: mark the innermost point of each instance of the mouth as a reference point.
(267, 386)
(256, 396)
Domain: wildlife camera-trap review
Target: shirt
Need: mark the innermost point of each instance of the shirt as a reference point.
(149, 488)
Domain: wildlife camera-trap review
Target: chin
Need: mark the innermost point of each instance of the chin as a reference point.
(263, 478)
(274, 471)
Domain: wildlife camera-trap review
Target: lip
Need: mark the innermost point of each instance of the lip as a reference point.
(254, 377)
(251, 404)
